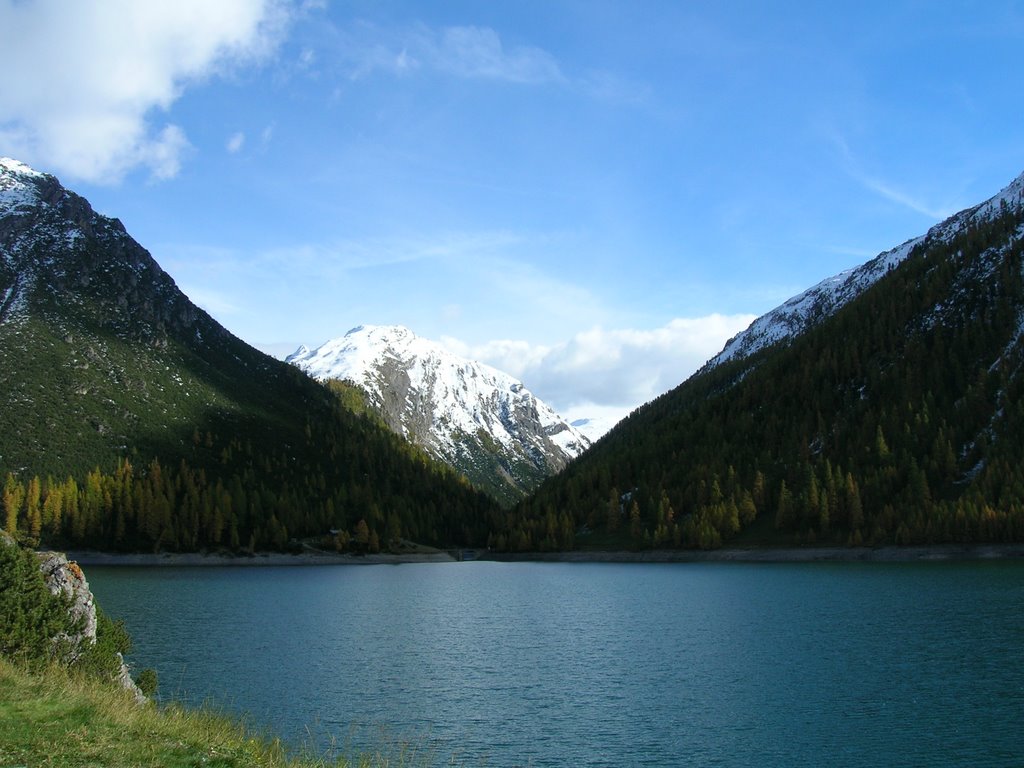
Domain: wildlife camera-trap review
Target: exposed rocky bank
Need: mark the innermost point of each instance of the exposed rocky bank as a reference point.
(64, 577)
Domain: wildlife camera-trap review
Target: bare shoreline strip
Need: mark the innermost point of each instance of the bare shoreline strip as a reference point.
(196, 559)
(892, 554)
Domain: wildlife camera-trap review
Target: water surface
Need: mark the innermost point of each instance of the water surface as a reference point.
(844, 664)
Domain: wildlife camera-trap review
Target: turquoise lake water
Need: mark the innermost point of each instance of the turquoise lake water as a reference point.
(501, 664)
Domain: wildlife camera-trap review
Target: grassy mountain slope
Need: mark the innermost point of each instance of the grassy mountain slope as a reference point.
(895, 419)
(105, 364)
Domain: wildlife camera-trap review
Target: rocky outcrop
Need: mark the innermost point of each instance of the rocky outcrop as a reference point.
(64, 577)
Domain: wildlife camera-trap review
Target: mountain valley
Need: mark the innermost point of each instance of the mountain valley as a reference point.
(877, 407)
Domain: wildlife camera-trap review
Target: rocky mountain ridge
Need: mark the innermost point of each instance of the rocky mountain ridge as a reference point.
(54, 245)
(95, 337)
(481, 421)
(807, 309)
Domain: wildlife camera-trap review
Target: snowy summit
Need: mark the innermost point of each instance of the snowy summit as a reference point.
(465, 413)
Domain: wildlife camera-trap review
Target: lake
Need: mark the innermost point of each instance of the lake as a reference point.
(558, 664)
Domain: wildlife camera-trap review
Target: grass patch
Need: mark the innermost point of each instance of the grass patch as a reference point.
(57, 718)
(62, 719)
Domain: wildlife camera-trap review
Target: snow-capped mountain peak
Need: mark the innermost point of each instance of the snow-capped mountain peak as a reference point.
(820, 302)
(464, 412)
(47, 241)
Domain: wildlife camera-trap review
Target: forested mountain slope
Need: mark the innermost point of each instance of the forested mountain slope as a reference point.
(821, 301)
(131, 419)
(893, 414)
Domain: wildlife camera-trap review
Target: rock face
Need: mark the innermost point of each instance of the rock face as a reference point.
(475, 418)
(55, 248)
(65, 577)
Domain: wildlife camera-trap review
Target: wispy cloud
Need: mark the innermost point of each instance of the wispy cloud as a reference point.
(235, 143)
(615, 89)
(322, 261)
(478, 52)
(468, 52)
(266, 136)
(214, 302)
(88, 112)
(887, 189)
(860, 254)
(374, 252)
(900, 197)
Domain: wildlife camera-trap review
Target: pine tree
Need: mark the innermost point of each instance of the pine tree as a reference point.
(361, 535)
(53, 507)
(856, 511)
(612, 508)
(635, 527)
(13, 497)
(33, 513)
(747, 510)
(784, 508)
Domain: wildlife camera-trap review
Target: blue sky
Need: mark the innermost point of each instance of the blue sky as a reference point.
(590, 195)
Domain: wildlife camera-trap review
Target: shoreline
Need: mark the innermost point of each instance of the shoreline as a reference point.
(888, 554)
(221, 560)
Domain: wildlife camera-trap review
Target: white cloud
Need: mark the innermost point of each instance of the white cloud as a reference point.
(163, 155)
(236, 142)
(82, 82)
(610, 371)
(404, 61)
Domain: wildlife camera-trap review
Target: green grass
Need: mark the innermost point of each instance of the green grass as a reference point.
(58, 718)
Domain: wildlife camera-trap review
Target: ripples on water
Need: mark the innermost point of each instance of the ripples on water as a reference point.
(501, 664)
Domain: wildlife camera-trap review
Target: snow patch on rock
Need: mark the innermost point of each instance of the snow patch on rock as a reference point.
(436, 399)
